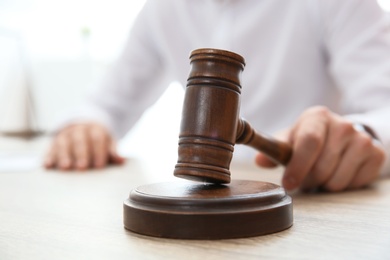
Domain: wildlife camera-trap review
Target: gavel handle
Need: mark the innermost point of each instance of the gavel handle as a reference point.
(279, 152)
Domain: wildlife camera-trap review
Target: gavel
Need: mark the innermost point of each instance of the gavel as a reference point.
(210, 128)
(211, 124)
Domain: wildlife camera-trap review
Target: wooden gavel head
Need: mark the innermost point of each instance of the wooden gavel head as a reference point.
(210, 124)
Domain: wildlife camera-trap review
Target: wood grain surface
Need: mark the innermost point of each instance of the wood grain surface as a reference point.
(57, 215)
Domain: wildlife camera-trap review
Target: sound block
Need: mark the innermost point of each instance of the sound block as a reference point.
(193, 210)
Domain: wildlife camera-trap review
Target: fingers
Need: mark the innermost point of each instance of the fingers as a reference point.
(64, 154)
(80, 147)
(370, 169)
(263, 161)
(338, 138)
(329, 153)
(353, 158)
(360, 166)
(103, 148)
(114, 157)
(99, 147)
(308, 138)
(60, 154)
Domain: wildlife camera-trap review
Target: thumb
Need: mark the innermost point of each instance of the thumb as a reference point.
(263, 160)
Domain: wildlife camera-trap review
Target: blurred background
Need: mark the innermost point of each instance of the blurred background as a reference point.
(52, 52)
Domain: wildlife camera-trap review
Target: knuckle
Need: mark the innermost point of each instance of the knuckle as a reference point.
(61, 143)
(95, 136)
(346, 129)
(61, 136)
(67, 131)
(321, 111)
(364, 142)
(312, 140)
(78, 135)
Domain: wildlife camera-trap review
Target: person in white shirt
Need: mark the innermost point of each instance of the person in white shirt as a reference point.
(315, 70)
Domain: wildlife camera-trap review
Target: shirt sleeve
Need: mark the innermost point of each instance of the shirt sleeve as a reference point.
(357, 43)
(135, 81)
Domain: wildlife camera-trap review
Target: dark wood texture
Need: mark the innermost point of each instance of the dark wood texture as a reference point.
(277, 151)
(211, 126)
(190, 210)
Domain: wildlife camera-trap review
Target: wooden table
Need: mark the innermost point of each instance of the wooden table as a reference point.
(78, 215)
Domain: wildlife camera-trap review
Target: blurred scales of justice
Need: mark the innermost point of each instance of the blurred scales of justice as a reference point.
(17, 117)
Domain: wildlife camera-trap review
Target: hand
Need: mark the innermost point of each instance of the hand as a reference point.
(82, 146)
(328, 153)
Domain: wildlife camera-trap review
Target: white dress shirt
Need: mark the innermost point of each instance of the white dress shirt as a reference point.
(299, 54)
